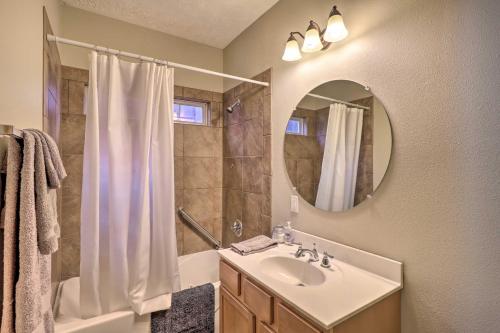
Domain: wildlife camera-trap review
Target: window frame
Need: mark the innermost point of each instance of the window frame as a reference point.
(202, 104)
(302, 123)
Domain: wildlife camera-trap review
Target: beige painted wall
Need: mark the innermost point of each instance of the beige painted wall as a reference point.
(21, 60)
(96, 29)
(434, 66)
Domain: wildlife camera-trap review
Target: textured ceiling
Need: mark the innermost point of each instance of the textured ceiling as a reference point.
(211, 22)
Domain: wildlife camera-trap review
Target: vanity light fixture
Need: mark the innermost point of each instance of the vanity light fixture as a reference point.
(315, 38)
(335, 29)
(292, 49)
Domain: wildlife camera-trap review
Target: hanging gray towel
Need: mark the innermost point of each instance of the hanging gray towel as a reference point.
(192, 311)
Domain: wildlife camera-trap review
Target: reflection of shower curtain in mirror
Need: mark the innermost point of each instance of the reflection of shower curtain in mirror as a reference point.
(128, 245)
(337, 184)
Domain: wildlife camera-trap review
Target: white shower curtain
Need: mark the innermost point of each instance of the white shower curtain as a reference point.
(128, 244)
(337, 184)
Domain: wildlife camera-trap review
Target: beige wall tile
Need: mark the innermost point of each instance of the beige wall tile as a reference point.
(72, 133)
(266, 161)
(178, 140)
(252, 210)
(75, 74)
(233, 173)
(233, 141)
(233, 204)
(307, 191)
(216, 115)
(70, 257)
(197, 94)
(305, 171)
(179, 202)
(266, 114)
(193, 242)
(70, 222)
(252, 174)
(179, 172)
(72, 184)
(217, 97)
(291, 168)
(253, 106)
(76, 91)
(252, 138)
(200, 204)
(202, 141)
(64, 96)
(178, 91)
(200, 172)
(266, 225)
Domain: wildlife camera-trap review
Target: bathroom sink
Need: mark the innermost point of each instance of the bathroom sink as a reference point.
(292, 271)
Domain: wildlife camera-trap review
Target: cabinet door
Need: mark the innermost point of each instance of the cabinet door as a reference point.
(289, 322)
(234, 316)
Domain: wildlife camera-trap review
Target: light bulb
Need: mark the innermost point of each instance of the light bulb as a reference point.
(335, 30)
(312, 41)
(292, 51)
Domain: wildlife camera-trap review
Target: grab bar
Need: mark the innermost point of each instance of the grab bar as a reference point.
(189, 219)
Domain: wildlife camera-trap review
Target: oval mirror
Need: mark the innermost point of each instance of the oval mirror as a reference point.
(338, 144)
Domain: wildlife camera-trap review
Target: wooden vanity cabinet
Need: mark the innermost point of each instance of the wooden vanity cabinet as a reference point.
(234, 317)
(248, 307)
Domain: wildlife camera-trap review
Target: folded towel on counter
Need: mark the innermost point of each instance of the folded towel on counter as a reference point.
(192, 311)
(256, 244)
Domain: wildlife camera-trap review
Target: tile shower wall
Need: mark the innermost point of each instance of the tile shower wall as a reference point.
(364, 178)
(303, 153)
(198, 172)
(72, 140)
(247, 160)
(198, 169)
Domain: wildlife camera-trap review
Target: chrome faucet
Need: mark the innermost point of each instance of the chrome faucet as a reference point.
(313, 254)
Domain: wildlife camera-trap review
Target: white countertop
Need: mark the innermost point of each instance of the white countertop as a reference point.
(346, 291)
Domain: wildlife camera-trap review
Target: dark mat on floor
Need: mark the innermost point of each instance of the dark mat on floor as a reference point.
(192, 311)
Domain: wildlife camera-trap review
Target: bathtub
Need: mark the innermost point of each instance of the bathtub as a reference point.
(195, 269)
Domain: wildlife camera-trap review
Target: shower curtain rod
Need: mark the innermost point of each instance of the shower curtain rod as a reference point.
(52, 38)
(339, 101)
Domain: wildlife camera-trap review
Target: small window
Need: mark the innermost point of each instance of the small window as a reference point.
(190, 112)
(296, 126)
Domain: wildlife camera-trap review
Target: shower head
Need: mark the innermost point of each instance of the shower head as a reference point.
(231, 107)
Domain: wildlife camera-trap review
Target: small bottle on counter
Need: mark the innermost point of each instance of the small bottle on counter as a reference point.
(288, 233)
(279, 233)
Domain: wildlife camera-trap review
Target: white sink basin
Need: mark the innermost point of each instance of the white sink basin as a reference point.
(292, 271)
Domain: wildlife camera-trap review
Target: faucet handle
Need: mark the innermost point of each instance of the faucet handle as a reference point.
(299, 253)
(325, 253)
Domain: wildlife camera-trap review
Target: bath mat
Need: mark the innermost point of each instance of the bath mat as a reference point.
(192, 311)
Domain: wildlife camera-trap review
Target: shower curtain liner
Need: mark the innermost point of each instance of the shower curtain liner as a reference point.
(128, 244)
(337, 184)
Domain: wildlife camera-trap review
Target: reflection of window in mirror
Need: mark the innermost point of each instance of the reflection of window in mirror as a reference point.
(297, 126)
